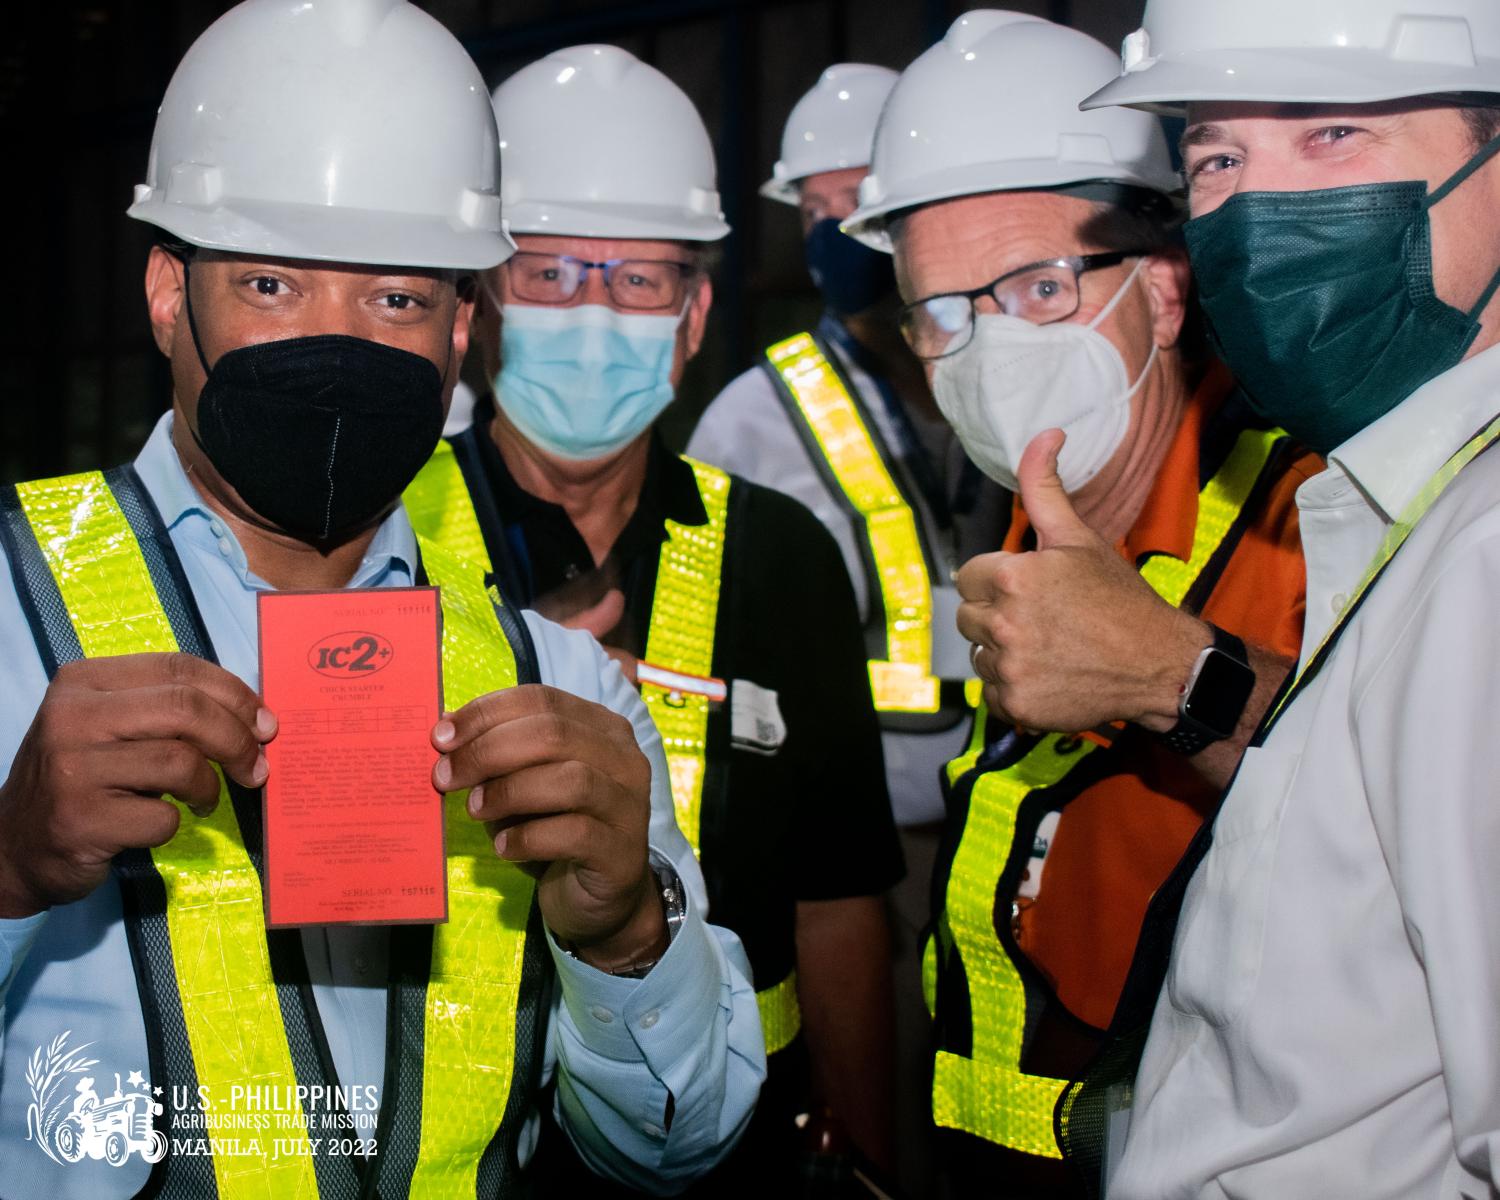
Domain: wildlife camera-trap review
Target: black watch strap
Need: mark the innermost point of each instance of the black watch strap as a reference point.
(1189, 736)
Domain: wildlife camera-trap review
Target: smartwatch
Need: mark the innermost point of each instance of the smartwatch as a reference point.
(1215, 696)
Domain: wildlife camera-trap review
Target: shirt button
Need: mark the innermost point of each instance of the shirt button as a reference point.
(601, 1014)
(217, 528)
(651, 1130)
(361, 964)
(224, 547)
(1338, 602)
(649, 1020)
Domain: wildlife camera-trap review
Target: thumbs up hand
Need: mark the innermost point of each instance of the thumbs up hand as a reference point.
(1069, 636)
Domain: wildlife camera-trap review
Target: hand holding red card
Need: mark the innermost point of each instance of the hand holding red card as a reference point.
(353, 825)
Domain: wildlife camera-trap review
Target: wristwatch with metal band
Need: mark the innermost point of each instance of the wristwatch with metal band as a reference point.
(674, 909)
(1215, 696)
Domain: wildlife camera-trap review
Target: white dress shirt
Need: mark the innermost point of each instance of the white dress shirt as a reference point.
(1330, 1024)
(685, 1040)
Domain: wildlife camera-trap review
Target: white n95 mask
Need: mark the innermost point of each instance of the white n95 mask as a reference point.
(1015, 379)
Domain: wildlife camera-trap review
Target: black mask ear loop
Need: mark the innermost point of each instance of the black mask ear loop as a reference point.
(187, 299)
(1481, 156)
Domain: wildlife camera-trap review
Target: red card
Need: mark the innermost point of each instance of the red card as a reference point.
(353, 825)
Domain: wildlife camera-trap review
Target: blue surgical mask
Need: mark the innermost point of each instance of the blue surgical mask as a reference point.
(585, 381)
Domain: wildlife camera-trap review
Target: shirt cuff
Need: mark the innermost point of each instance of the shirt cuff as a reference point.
(658, 1019)
(16, 938)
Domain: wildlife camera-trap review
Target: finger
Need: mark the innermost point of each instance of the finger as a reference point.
(121, 822)
(157, 768)
(1047, 505)
(627, 663)
(127, 672)
(495, 709)
(568, 837)
(179, 710)
(976, 578)
(525, 743)
(602, 617)
(548, 788)
(974, 626)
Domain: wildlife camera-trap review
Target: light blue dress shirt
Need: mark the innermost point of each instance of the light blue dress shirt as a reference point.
(618, 1048)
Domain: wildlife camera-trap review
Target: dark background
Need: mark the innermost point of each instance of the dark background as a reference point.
(82, 382)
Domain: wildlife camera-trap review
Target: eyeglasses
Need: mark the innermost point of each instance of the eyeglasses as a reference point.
(636, 283)
(1040, 292)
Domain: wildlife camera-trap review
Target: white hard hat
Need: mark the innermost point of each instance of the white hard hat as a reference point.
(994, 107)
(351, 131)
(831, 127)
(1309, 51)
(596, 143)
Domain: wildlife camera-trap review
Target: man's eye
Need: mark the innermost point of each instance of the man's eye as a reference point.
(1213, 164)
(268, 286)
(1334, 133)
(400, 301)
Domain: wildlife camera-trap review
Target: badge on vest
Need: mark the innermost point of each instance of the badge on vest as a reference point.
(755, 720)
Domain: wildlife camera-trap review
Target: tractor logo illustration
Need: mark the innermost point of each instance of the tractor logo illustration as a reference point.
(69, 1120)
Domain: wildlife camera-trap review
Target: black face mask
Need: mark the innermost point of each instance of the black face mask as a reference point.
(318, 435)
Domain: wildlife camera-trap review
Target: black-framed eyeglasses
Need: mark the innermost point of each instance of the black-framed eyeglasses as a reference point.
(635, 283)
(1040, 292)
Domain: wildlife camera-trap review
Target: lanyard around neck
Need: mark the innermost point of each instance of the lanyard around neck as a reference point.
(1394, 539)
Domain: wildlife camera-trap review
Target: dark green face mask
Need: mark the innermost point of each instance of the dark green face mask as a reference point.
(1322, 304)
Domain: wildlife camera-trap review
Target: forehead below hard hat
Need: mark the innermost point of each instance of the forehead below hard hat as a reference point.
(1059, 216)
(1030, 176)
(614, 220)
(605, 249)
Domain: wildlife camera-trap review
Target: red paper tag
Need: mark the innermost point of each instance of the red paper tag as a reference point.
(353, 825)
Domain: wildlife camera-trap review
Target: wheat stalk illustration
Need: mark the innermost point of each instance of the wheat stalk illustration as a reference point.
(45, 1072)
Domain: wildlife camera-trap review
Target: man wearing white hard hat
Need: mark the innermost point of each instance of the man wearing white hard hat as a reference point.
(318, 233)
(727, 603)
(1330, 1018)
(1147, 600)
(841, 417)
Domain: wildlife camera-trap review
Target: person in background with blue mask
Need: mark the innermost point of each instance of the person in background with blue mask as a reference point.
(1329, 1021)
(727, 603)
(905, 503)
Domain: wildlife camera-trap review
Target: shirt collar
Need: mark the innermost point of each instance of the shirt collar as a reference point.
(1391, 459)
(392, 549)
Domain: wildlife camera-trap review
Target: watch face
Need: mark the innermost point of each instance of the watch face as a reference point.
(1219, 693)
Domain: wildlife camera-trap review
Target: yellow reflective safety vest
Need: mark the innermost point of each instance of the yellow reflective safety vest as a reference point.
(979, 1088)
(225, 999)
(846, 447)
(676, 674)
